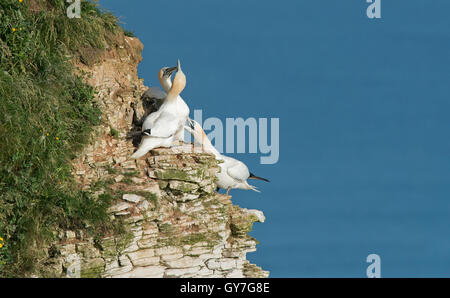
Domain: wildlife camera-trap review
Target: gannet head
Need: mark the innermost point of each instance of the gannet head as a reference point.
(166, 72)
(164, 76)
(197, 129)
(179, 81)
(200, 138)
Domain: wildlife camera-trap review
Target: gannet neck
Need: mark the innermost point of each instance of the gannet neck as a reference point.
(179, 82)
(171, 97)
(164, 77)
(208, 146)
(166, 83)
(201, 137)
(161, 78)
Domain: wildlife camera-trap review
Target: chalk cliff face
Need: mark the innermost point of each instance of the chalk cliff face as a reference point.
(173, 222)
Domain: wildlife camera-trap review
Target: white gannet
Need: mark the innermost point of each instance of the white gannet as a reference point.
(233, 173)
(182, 109)
(160, 128)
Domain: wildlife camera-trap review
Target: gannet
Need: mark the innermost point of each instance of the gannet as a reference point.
(182, 109)
(233, 173)
(160, 128)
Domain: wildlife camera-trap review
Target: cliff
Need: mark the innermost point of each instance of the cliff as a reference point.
(168, 219)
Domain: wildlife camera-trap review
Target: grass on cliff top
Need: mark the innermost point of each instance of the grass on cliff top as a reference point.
(46, 116)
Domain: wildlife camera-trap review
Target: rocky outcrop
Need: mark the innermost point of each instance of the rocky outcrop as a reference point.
(173, 223)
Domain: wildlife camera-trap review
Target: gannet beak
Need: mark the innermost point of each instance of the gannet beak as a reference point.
(170, 70)
(178, 65)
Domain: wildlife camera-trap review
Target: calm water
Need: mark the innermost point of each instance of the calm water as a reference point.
(364, 121)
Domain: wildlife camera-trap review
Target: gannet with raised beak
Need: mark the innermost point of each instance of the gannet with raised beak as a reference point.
(233, 173)
(182, 109)
(161, 127)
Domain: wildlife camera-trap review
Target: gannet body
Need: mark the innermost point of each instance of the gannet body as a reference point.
(233, 173)
(160, 128)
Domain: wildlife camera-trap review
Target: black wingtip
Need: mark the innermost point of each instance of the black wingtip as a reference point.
(147, 132)
(257, 178)
(191, 123)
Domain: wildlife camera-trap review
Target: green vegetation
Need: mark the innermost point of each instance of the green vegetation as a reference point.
(150, 197)
(170, 237)
(113, 132)
(174, 174)
(131, 174)
(46, 116)
(166, 228)
(242, 225)
(194, 238)
(211, 238)
(129, 33)
(111, 170)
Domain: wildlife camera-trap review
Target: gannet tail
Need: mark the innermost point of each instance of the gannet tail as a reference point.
(257, 178)
(253, 188)
(147, 144)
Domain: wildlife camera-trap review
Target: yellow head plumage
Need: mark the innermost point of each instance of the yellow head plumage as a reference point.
(179, 81)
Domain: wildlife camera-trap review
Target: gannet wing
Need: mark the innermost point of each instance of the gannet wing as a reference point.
(150, 120)
(238, 170)
(155, 92)
(164, 126)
